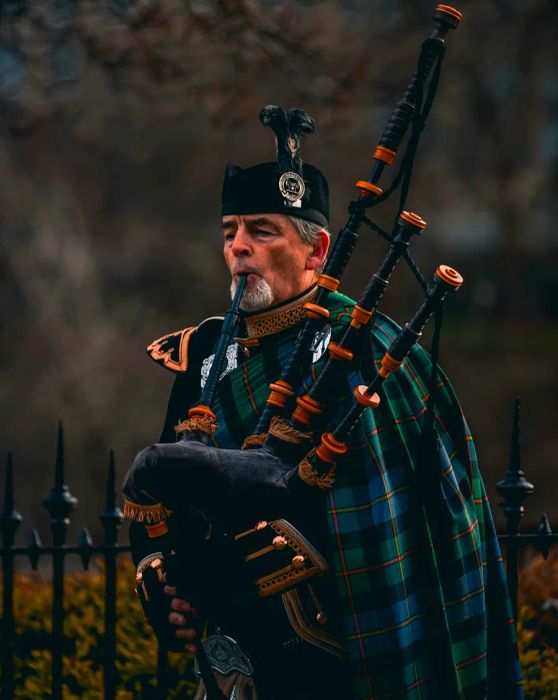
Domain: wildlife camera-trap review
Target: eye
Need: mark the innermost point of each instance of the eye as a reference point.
(229, 236)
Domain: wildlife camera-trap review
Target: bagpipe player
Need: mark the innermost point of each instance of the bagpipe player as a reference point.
(360, 587)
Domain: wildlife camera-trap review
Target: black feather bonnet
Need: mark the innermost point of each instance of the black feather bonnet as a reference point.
(286, 186)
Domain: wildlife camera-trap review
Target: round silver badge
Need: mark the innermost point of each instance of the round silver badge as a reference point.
(292, 186)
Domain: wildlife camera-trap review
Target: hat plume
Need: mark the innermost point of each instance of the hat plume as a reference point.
(288, 128)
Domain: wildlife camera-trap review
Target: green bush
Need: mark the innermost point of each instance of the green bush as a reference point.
(136, 657)
(136, 660)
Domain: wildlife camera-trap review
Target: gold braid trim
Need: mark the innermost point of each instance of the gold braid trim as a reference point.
(311, 477)
(276, 320)
(257, 440)
(205, 424)
(281, 428)
(155, 513)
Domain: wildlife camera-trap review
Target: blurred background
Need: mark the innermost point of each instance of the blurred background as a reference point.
(117, 118)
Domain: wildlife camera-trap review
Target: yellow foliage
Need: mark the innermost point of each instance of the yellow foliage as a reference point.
(136, 659)
(84, 595)
(538, 629)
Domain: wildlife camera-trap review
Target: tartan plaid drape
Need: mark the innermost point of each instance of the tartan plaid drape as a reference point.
(413, 544)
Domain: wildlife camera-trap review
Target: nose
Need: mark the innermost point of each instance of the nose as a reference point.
(241, 245)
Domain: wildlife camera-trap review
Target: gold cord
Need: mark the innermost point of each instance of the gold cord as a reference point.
(282, 429)
(311, 477)
(254, 440)
(204, 424)
(155, 513)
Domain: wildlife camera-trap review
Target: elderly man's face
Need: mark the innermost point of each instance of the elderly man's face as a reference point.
(269, 248)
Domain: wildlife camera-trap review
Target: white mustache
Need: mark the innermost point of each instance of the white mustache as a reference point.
(243, 270)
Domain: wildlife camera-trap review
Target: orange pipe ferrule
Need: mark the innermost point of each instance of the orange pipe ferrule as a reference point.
(385, 154)
(328, 282)
(449, 275)
(414, 219)
(281, 392)
(365, 399)
(360, 316)
(276, 400)
(302, 416)
(306, 408)
(330, 448)
(157, 530)
(389, 364)
(201, 411)
(450, 11)
(367, 188)
(315, 311)
(283, 388)
(339, 353)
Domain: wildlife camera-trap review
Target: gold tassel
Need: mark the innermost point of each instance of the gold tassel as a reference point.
(282, 429)
(155, 513)
(256, 440)
(311, 477)
(204, 424)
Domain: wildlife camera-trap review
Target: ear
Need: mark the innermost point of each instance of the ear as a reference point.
(319, 251)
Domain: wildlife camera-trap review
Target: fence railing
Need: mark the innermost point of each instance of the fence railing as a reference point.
(514, 489)
(60, 503)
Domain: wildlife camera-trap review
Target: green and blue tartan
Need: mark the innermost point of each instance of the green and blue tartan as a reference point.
(413, 544)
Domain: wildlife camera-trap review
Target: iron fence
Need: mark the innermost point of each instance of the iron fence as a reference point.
(60, 503)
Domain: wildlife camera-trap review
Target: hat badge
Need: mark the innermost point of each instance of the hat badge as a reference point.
(289, 127)
(292, 189)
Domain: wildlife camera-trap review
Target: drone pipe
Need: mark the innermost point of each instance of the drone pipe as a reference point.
(445, 18)
(201, 417)
(445, 280)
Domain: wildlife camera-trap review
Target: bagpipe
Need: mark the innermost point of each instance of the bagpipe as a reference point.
(258, 512)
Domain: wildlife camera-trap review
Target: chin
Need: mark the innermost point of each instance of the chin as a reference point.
(257, 295)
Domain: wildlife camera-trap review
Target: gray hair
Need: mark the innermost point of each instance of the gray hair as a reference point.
(308, 231)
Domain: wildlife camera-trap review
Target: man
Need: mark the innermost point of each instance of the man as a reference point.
(414, 604)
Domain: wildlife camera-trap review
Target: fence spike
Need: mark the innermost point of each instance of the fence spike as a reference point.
(515, 451)
(34, 549)
(59, 468)
(10, 519)
(514, 488)
(60, 502)
(544, 530)
(9, 485)
(111, 493)
(112, 516)
(85, 548)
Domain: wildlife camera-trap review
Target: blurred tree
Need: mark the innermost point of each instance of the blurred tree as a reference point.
(116, 119)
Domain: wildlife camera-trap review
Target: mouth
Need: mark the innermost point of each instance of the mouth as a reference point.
(250, 274)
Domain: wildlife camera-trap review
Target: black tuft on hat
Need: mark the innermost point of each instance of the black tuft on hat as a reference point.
(286, 186)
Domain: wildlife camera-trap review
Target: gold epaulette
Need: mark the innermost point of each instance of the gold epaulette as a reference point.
(171, 350)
